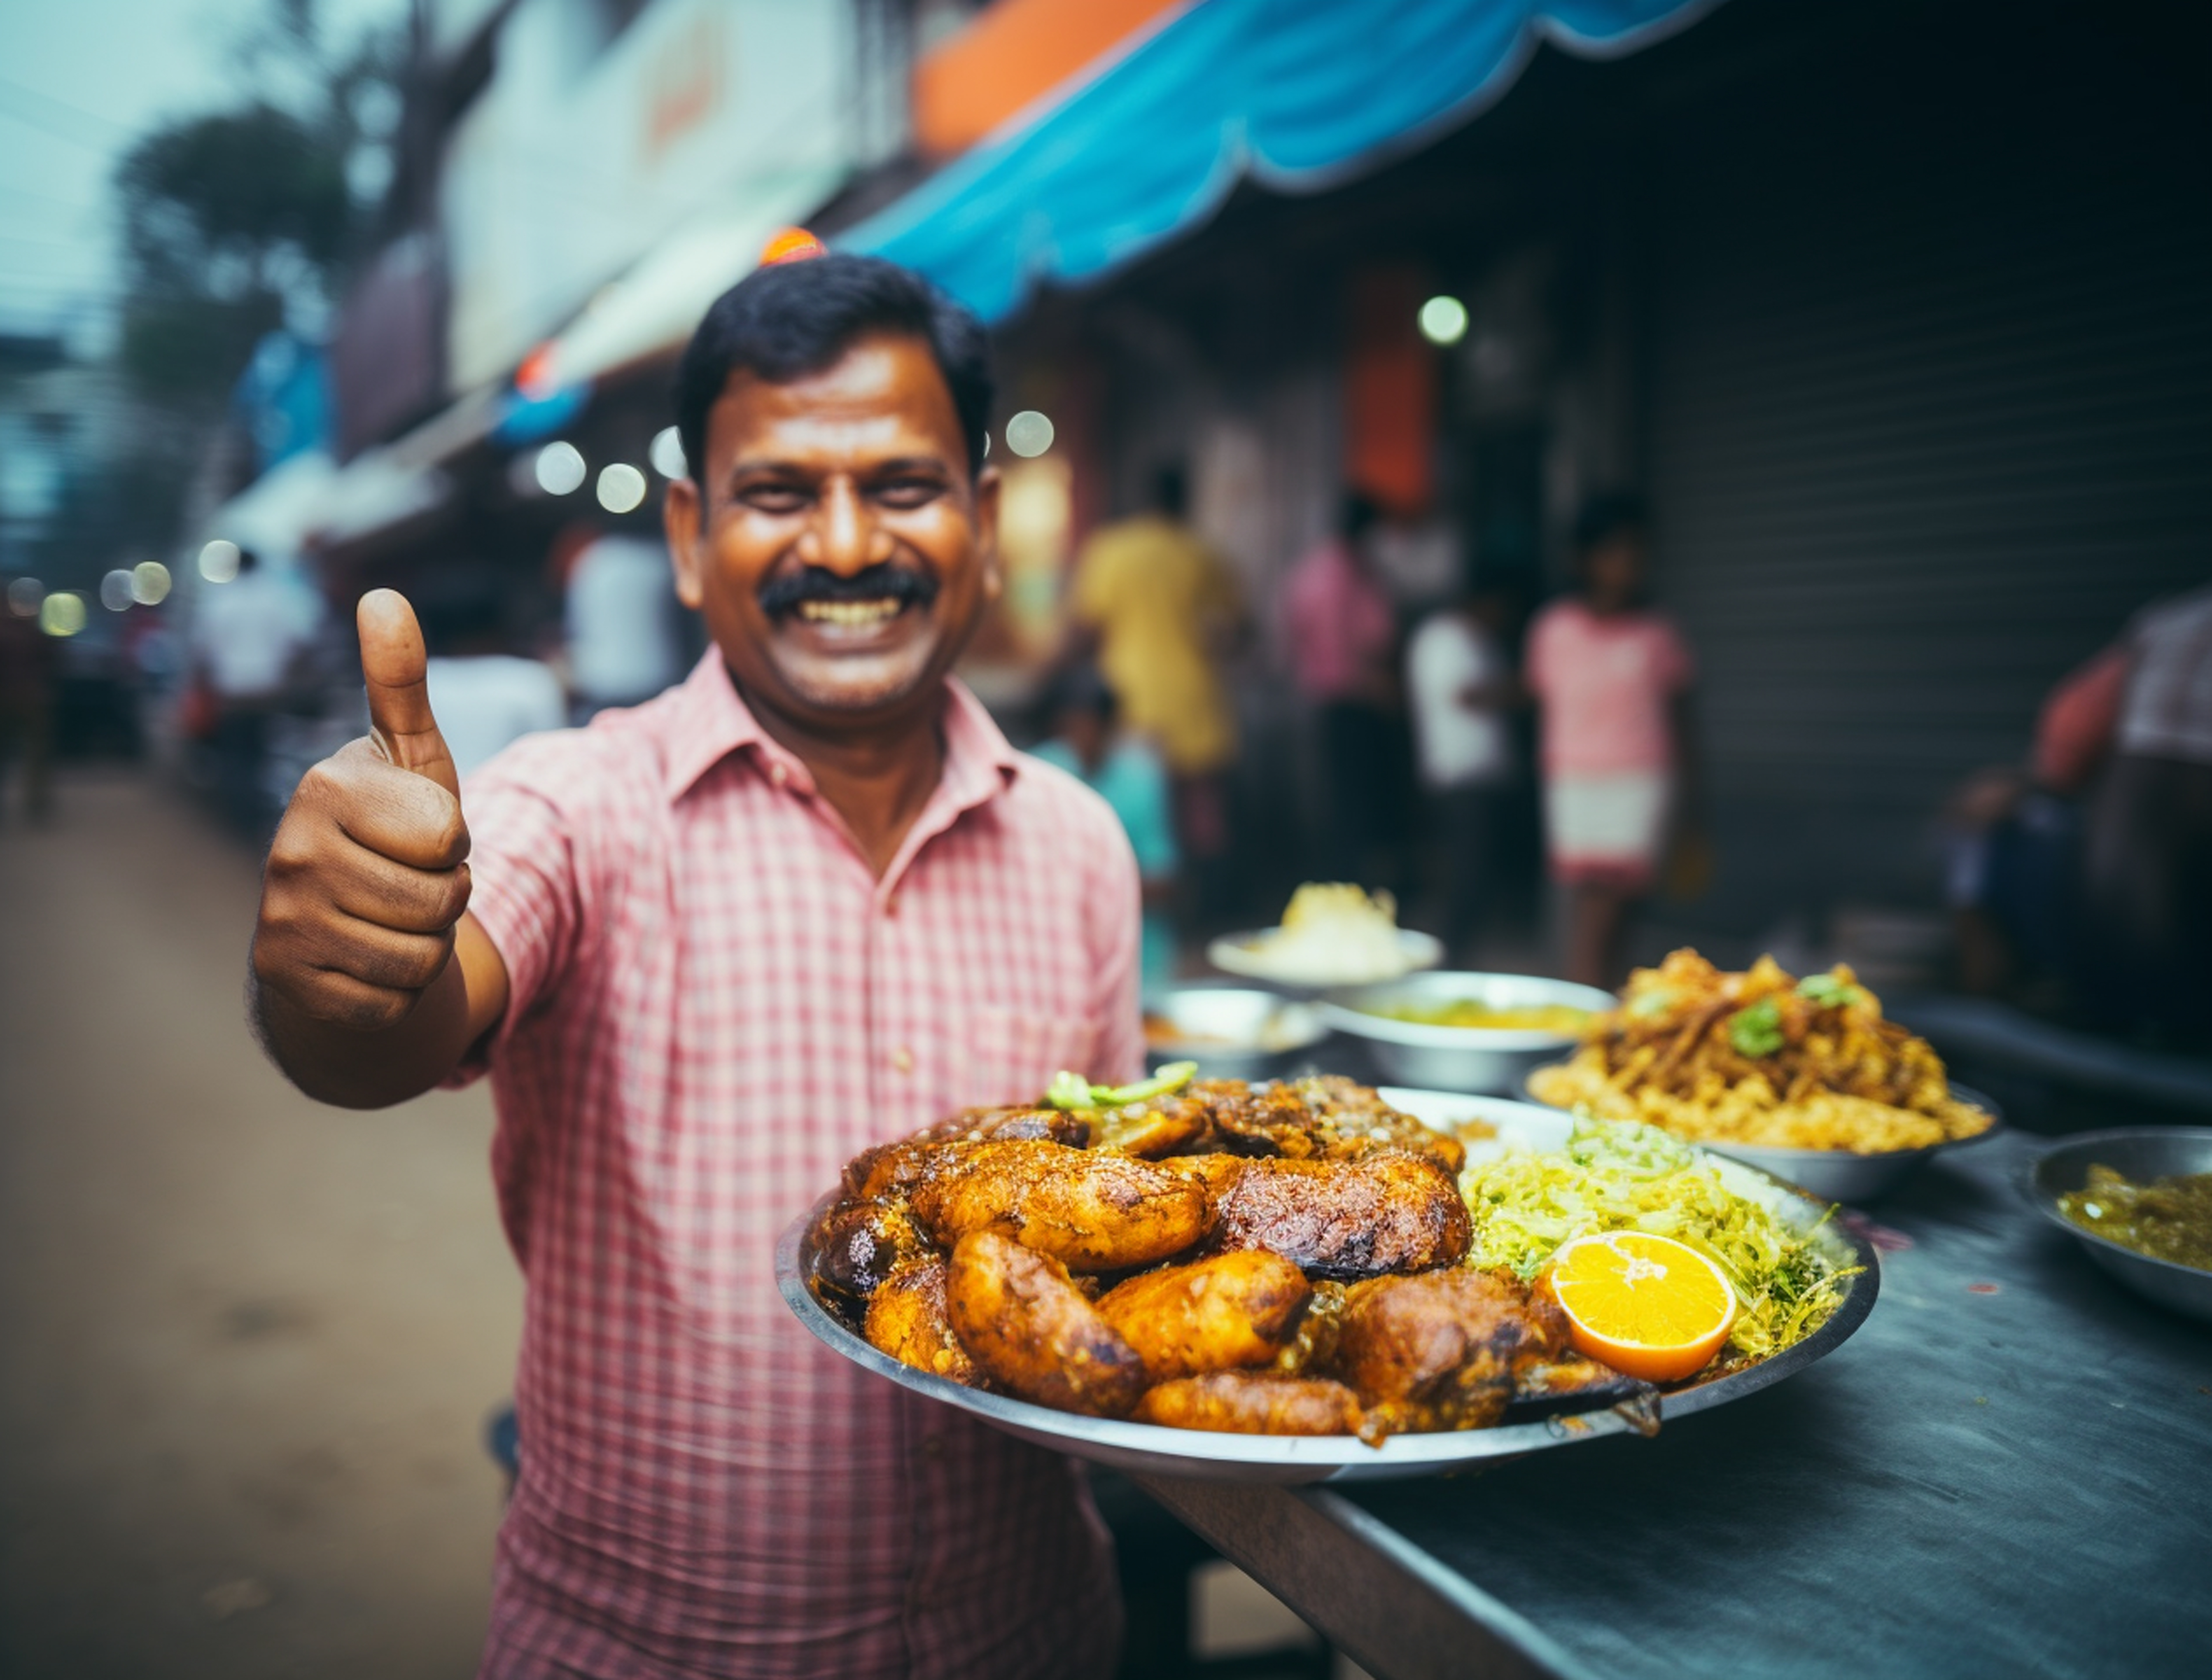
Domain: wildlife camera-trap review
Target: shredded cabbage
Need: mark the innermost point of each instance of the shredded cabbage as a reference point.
(1626, 1176)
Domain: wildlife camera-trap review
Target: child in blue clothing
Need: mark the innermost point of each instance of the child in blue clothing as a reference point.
(1126, 772)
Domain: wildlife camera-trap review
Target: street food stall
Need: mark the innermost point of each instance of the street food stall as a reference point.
(1479, 1385)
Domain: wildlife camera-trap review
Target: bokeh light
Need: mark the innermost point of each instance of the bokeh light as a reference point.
(219, 561)
(24, 595)
(560, 468)
(666, 453)
(621, 487)
(1029, 433)
(1444, 321)
(115, 591)
(62, 614)
(149, 583)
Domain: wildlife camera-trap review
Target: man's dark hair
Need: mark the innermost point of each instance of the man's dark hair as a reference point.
(1170, 490)
(796, 319)
(1081, 687)
(1603, 518)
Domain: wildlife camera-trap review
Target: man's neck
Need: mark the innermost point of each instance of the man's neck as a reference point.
(877, 778)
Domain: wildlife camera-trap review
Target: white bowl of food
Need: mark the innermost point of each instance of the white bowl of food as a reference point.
(1331, 934)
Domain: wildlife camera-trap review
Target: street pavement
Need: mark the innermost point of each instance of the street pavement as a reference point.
(248, 1343)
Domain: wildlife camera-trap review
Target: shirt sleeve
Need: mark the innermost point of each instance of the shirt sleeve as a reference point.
(524, 887)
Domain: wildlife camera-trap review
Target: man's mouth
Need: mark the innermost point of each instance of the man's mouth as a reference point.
(857, 615)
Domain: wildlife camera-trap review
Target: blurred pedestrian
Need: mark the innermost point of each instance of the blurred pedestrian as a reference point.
(26, 679)
(1342, 636)
(249, 636)
(1161, 610)
(484, 697)
(1124, 770)
(1460, 691)
(623, 643)
(1611, 676)
(2147, 868)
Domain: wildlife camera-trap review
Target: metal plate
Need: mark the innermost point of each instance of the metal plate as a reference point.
(2141, 1154)
(1148, 1448)
(1839, 1175)
(1234, 953)
(1457, 1058)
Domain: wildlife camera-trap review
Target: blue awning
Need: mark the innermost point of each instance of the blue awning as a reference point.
(1296, 95)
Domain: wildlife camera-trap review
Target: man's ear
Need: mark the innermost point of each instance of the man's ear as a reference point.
(988, 483)
(680, 511)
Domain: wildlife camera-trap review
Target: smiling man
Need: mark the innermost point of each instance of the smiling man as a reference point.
(709, 948)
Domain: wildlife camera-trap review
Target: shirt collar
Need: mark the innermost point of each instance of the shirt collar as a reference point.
(711, 722)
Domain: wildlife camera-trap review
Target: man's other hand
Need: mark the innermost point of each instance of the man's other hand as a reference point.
(366, 879)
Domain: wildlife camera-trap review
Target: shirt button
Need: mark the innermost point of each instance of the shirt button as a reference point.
(902, 1059)
(778, 774)
(891, 905)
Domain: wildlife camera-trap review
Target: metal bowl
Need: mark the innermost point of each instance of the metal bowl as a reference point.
(1232, 1032)
(1458, 1058)
(2139, 1153)
(1245, 956)
(1842, 1175)
(1145, 1448)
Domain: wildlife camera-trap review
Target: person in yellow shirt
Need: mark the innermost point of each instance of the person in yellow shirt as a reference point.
(1160, 607)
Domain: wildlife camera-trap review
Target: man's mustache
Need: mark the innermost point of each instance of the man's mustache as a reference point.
(788, 591)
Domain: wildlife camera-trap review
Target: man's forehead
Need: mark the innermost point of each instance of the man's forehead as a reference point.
(884, 393)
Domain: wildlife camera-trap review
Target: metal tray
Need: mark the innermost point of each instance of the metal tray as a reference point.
(1149, 1449)
(1839, 1175)
(2138, 1152)
(1457, 1058)
(1237, 955)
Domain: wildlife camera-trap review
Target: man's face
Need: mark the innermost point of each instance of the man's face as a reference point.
(845, 558)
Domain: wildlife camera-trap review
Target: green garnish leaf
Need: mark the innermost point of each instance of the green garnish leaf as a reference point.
(1070, 1090)
(1756, 1031)
(1827, 991)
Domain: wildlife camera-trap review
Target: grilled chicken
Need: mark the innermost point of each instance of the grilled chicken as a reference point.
(1438, 1351)
(1096, 1210)
(854, 1247)
(1387, 1211)
(1321, 1118)
(907, 1320)
(1181, 1121)
(1252, 1403)
(1214, 1314)
(1034, 1333)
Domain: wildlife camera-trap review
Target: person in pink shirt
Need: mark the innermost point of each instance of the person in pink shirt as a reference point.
(1612, 679)
(707, 949)
(1342, 637)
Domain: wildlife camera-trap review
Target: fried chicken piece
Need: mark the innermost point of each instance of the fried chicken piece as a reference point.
(907, 1320)
(1252, 1403)
(1159, 1126)
(1322, 1118)
(1212, 1315)
(855, 1245)
(1438, 1351)
(1094, 1209)
(1032, 1331)
(1538, 1377)
(1010, 1125)
(1389, 1211)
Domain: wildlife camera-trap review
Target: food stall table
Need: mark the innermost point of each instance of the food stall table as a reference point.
(2007, 1471)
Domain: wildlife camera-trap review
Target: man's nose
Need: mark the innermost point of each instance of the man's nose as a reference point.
(847, 539)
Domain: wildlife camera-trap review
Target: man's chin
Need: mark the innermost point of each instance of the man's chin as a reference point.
(856, 687)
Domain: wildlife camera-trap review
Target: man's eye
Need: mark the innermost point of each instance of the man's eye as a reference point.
(772, 498)
(909, 492)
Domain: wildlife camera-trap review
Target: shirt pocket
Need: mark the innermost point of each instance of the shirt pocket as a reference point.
(1011, 1054)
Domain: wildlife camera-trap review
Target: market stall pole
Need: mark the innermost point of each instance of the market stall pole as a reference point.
(2008, 1471)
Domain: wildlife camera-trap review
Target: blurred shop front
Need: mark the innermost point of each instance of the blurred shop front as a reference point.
(1893, 312)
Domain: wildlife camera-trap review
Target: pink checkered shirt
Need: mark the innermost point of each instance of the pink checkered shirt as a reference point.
(715, 1005)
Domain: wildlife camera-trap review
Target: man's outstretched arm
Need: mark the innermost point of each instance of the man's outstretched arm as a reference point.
(370, 982)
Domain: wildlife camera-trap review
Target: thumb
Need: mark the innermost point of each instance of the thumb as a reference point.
(394, 665)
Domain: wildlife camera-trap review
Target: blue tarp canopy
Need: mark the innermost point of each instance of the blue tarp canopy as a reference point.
(1296, 95)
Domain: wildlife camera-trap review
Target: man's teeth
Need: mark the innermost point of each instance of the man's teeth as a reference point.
(849, 612)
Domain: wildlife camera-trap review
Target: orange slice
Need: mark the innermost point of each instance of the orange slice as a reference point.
(1649, 1306)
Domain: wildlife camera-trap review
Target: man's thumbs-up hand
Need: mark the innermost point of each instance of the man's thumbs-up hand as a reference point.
(365, 879)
